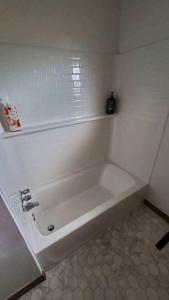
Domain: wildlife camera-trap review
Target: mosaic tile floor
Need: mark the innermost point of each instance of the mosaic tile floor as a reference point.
(121, 264)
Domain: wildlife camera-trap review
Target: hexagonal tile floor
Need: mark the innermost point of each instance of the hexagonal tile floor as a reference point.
(121, 264)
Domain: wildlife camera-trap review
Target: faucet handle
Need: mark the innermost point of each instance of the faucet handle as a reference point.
(24, 192)
(28, 206)
(27, 198)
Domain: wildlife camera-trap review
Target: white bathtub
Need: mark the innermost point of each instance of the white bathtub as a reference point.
(78, 206)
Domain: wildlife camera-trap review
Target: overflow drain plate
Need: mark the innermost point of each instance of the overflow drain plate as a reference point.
(51, 227)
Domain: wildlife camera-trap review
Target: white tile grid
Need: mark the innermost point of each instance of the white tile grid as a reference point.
(53, 85)
(143, 92)
(48, 85)
(42, 157)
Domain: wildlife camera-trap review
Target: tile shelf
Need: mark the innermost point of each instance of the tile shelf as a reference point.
(49, 126)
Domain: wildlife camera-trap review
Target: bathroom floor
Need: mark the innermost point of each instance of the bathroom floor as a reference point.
(121, 264)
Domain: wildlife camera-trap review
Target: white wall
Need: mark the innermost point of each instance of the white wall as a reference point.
(53, 67)
(142, 82)
(49, 85)
(158, 192)
(40, 82)
(64, 24)
(34, 159)
(143, 92)
(142, 23)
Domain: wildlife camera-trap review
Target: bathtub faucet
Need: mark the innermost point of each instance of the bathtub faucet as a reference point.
(25, 196)
(28, 206)
(24, 192)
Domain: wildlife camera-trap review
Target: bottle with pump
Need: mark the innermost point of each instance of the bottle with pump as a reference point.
(111, 104)
(9, 116)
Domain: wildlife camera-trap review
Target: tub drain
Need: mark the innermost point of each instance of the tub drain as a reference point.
(50, 227)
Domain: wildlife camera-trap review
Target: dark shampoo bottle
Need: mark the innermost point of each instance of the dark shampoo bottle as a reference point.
(111, 104)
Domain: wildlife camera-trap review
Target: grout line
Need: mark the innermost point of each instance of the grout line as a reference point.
(142, 46)
(59, 49)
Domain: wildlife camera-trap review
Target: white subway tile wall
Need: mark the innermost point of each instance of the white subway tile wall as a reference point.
(49, 85)
(38, 158)
(144, 103)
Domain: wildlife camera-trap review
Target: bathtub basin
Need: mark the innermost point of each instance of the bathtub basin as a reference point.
(77, 207)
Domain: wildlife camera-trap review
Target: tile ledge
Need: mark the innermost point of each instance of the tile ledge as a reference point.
(50, 126)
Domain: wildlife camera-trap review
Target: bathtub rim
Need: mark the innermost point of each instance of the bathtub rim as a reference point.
(40, 242)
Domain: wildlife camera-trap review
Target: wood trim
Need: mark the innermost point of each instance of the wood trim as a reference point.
(27, 287)
(156, 210)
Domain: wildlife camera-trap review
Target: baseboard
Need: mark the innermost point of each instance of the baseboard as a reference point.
(157, 210)
(27, 287)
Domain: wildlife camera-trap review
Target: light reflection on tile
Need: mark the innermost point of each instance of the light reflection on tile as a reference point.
(76, 70)
(76, 90)
(48, 78)
(75, 77)
(76, 83)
